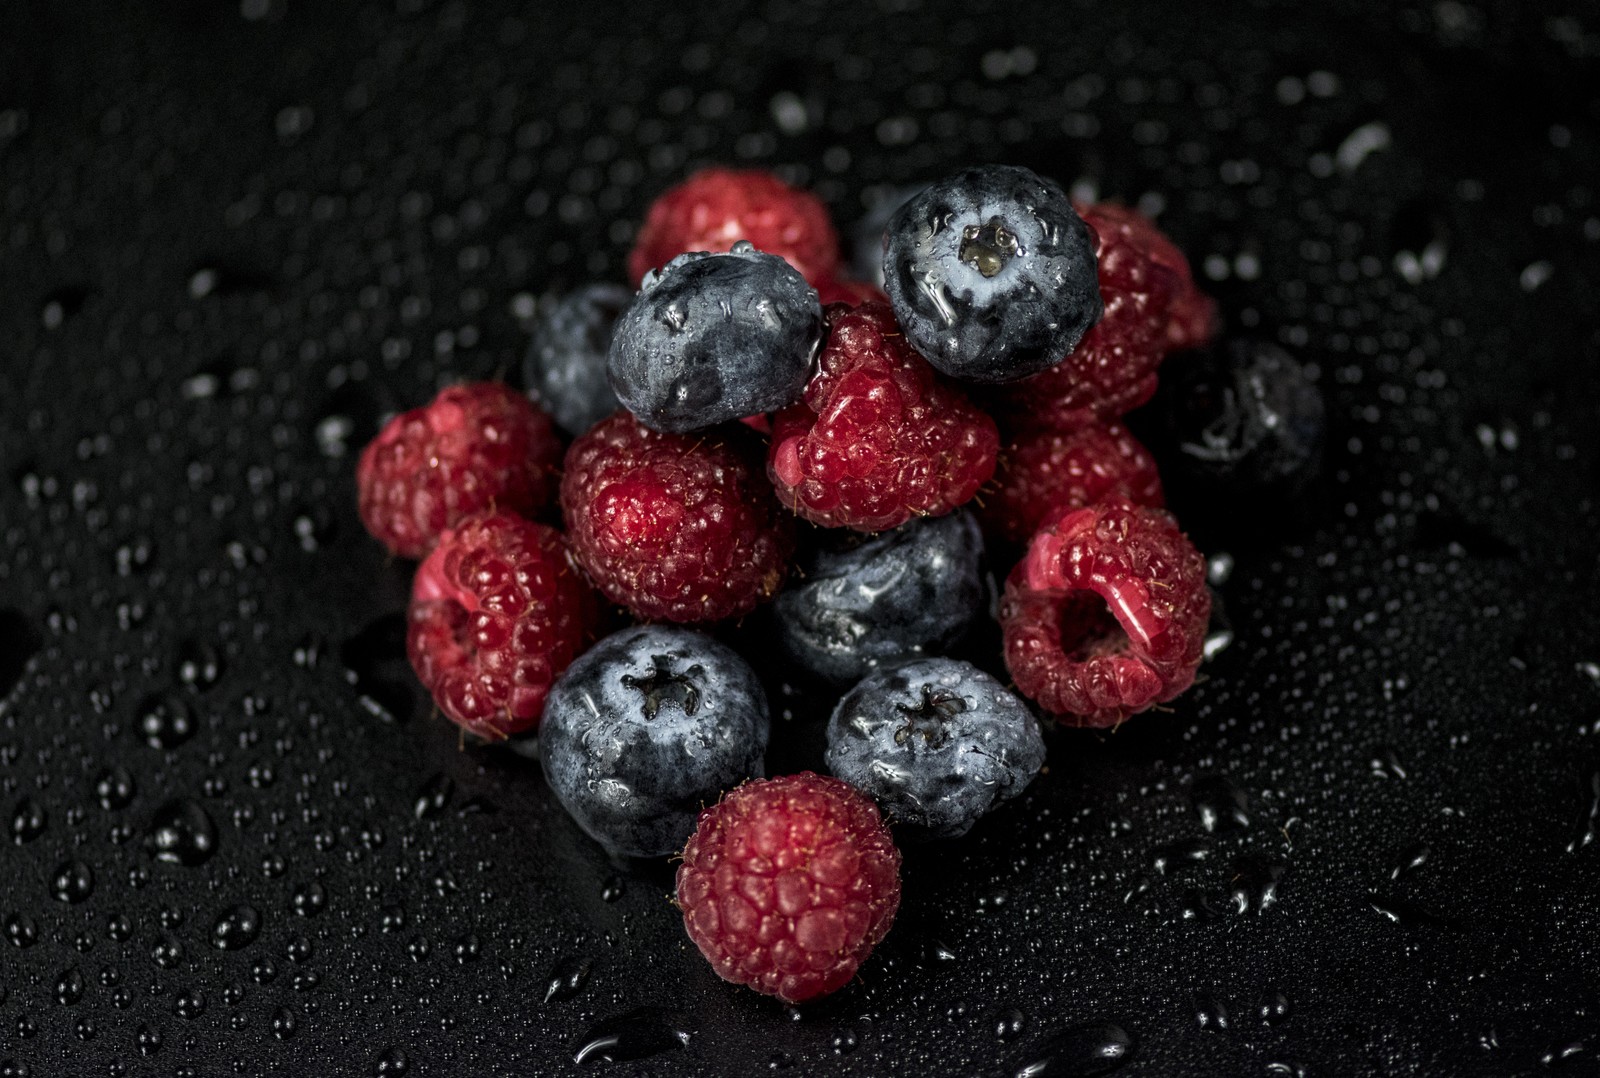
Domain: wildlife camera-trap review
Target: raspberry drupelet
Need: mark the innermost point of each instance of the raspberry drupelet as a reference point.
(1106, 615)
(676, 527)
(788, 884)
(717, 207)
(1045, 474)
(879, 436)
(472, 448)
(497, 613)
(1152, 308)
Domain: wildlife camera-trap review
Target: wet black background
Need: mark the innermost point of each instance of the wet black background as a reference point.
(234, 235)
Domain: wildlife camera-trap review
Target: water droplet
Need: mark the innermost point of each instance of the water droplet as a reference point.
(284, 1023)
(1080, 1051)
(612, 888)
(309, 899)
(434, 796)
(1404, 913)
(1210, 1013)
(1255, 883)
(1196, 906)
(1411, 858)
(114, 788)
(199, 665)
(567, 978)
(69, 987)
(1009, 1024)
(149, 1041)
(1174, 855)
(190, 1004)
(28, 821)
(165, 722)
(1589, 818)
(181, 833)
(1385, 764)
(393, 1063)
(72, 881)
(637, 1034)
(21, 930)
(1274, 1008)
(1221, 805)
(237, 927)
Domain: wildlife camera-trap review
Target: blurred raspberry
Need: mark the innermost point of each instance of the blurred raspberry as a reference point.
(1046, 474)
(473, 447)
(717, 207)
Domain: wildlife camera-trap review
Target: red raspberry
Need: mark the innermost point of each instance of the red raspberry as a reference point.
(851, 293)
(1151, 308)
(717, 207)
(474, 447)
(1046, 474)
(788, 884)
(879, 436)
(497, 613)
(676, 527)
(1106, 615)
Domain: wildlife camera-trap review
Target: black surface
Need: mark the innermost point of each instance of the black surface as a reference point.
(229, 244)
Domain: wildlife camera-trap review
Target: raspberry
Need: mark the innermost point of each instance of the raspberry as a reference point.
(717, 207)
(851, 293)
(1046, 474)
(788, 884)
(474, 447)
(497, 613)
(879, 436)
(1151, 308)
(1106, 615)
(676, 527)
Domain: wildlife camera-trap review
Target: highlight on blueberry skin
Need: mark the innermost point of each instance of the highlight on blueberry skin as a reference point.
(645, 729)
(715, 337)
(566, 362)
(899, 595)
(992, 273)
(937, 743)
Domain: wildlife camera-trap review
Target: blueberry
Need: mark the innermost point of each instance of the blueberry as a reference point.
(646, 728)
(714, 337)
(899, 595)
(566, 364)
(992, 273)
(1243, 422)
(936, 742)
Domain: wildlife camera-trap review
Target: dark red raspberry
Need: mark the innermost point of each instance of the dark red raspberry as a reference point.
(1106, 615)
(717, 207)
(497, 613)
(788, 884)
(851, 293)
(1046, 474)
(473, 447)
(879, 436)
(676, 527)
(1152, 308)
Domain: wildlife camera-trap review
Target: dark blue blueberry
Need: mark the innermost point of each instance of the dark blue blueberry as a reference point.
(1244, 422)
(646, 728)
(566, 364)
(991, 273)
(937, 743)
(900, 595)
(715, 337)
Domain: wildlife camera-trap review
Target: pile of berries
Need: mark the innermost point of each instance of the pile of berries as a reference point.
(752, 430)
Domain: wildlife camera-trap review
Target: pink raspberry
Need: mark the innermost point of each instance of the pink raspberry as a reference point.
(473, 447)
(1106, 615)
(1045, 474)
(676, 527)
(788, 884)
(497, 613)
(717, 207)
(879, 436)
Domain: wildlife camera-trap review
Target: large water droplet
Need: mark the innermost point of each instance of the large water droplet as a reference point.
(181, 833)
(637, 1034)
(236, 928)
(1079, 1052)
